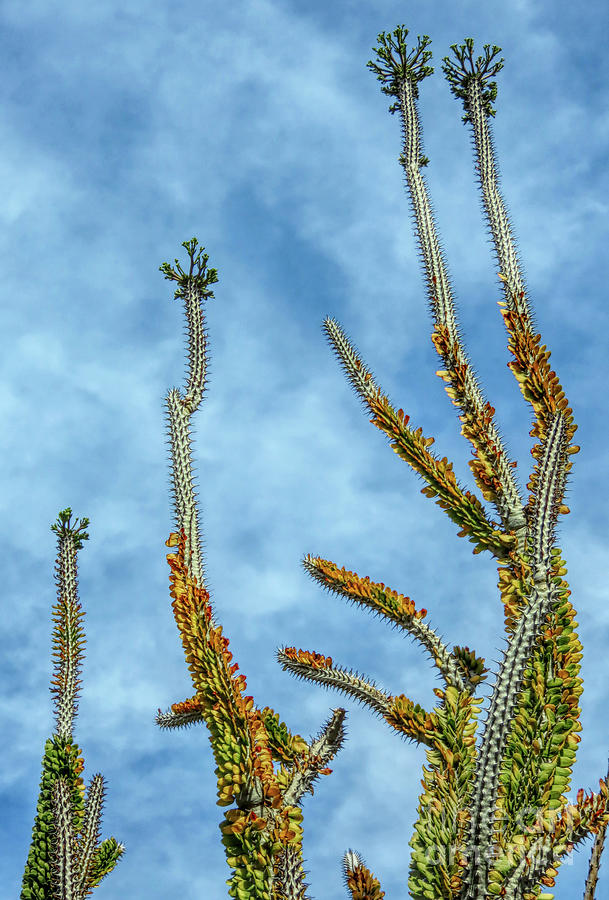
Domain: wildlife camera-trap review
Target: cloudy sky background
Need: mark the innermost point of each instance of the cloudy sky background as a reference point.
(128, 128)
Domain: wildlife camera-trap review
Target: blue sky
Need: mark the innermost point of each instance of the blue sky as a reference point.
(130, 127)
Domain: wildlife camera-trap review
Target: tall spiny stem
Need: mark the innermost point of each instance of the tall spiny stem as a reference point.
(595, 859)
(66, 859)
(553, 421)
(261, 833)
(193, 287)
